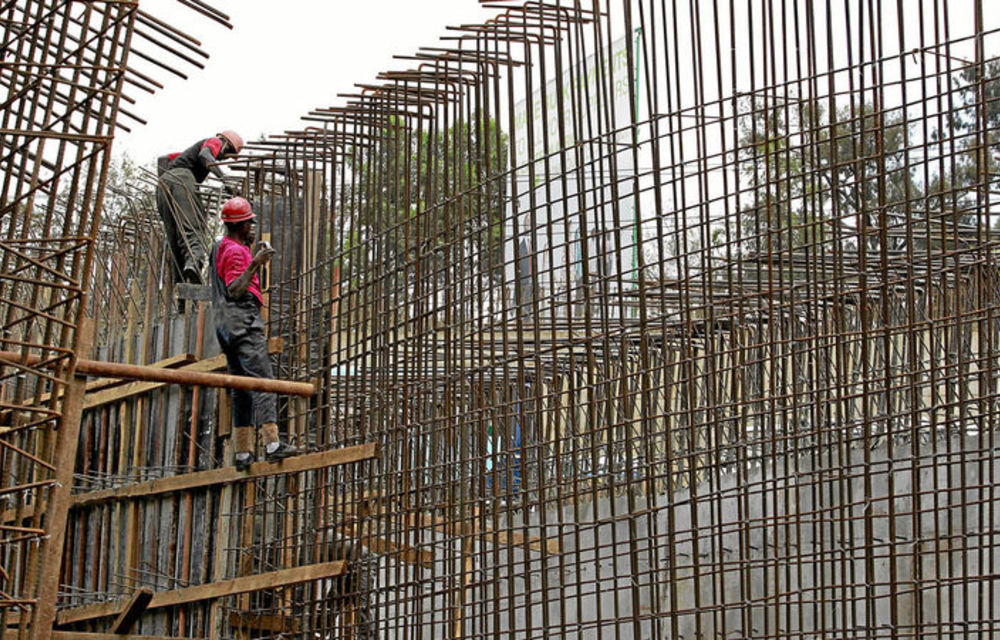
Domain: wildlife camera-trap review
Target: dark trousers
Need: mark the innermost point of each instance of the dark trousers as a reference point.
(246, 355)
(183, 218)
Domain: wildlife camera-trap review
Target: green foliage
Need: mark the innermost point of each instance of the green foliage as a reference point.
(800, 168)
(433, 194)
(970, 142)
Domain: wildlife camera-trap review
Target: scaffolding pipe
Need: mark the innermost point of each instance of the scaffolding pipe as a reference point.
(173, 376)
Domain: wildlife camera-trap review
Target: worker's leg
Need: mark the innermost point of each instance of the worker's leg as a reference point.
(191, 223)
(244, 433)
(165, 208)
(255, 361)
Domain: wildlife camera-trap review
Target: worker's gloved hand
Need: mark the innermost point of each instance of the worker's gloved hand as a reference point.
(264, 253)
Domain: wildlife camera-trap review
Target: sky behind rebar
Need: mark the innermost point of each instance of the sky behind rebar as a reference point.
(279, 61)
(282, 59)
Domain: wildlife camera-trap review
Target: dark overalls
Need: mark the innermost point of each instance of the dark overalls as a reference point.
(240, 330)
(181, 210)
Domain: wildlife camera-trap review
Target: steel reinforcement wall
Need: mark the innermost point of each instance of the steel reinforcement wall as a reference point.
(667, 320)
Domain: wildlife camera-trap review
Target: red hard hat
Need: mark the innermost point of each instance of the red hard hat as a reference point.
(237, 210)
(232, 138)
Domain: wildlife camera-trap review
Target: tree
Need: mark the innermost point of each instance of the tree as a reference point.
(801, 169)
(431, 194)
(970, 140)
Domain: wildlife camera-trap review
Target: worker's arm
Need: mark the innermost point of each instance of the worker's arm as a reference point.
(238, 287)
(207, 159)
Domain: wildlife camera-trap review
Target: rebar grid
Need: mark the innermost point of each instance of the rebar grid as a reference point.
(671, 320)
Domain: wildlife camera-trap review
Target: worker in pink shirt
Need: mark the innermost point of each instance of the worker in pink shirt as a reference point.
(239, 326)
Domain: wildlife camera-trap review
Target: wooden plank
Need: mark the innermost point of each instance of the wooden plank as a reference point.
(383, 546)
(245, 538)
(133, 439)
(11, 515)
(133, 609)
(210, 591)
(460, 593)
(216, 363)
(189, 377)
(405, 553)
(263, 622)
(222, 542)
(518, 539)
(173, 362)
(227, 475)
(191, 459)
(465, 528)
(104, 383)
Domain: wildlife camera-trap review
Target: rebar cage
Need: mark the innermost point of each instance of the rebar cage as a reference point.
(663, 320)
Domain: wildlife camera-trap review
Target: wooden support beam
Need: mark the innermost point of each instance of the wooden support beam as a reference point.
(173, 362)
(173, 376)
(383, 546)
(223, 534)
(466, 528)
(374, 502)
(210, 591)
(93, 386)
(78, 635)
(245, 620)
(133, 609)
(117, 394)
(227, 475)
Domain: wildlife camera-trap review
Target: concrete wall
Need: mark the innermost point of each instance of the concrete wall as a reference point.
(845, 544)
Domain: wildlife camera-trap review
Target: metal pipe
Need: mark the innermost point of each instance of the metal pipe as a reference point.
(172, 376)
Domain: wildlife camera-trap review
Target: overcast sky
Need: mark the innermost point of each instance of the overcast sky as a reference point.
(284, 58)
(280, 60)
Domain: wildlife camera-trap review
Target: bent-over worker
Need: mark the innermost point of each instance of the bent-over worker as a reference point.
(239, 326)
(177, 201)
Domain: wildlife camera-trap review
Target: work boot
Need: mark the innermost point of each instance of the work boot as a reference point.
(242, 460)
(243, 438)
(274, 448)
(279, 451)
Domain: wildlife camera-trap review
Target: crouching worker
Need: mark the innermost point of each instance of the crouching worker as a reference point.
(184, 218)
(239, 326)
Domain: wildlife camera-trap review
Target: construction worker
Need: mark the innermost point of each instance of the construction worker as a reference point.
(239, 326)
(184, 217)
